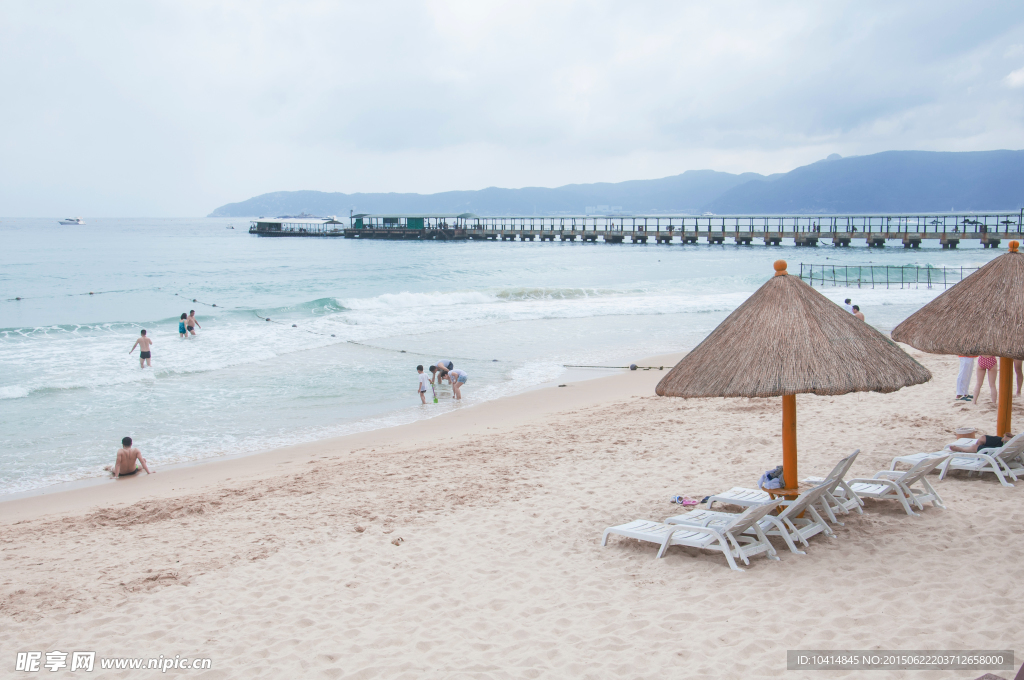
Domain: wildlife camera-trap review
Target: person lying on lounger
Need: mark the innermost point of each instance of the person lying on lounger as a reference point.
(985, 442)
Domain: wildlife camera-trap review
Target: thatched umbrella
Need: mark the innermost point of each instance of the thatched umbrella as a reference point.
(789, 339)
(983, 314)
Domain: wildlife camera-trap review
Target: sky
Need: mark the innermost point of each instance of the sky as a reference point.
(167, 109)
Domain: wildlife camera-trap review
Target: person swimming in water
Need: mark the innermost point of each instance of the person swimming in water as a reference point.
(182, 333)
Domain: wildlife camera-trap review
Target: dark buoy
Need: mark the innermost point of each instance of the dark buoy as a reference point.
(90, 292)
(493, 359)
(213, 305)
(632, 367)
(403, 351)
(332, 335)
(268, 318)
(193, 299)
(17, 298)
(294, 326)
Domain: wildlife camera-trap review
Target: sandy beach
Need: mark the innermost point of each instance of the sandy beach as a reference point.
(468, 546)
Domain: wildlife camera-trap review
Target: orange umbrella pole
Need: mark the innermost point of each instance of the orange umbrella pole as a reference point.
(1005, 410)
(789, 440)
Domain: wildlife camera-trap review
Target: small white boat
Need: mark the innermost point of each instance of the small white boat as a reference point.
(72, 220)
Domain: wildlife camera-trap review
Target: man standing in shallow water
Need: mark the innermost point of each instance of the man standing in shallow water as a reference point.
(128, 460)
(191, 324)
(143, 343)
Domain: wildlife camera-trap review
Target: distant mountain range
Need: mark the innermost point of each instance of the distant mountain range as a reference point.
(888, 182)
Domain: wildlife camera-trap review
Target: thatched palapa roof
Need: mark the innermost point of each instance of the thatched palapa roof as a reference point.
(983, 314)
(788, 338)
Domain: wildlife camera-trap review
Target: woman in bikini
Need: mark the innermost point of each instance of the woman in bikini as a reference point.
(986, 365)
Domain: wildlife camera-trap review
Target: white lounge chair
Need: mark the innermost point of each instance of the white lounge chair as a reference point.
(830, 501)
(1003, 461)
(742, 496)
(706, 538)
(788, 524)
(915, 458)
(833, 499)
(892, 485)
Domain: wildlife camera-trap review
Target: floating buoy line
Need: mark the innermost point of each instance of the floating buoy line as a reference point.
(332, 335)
(632, 367)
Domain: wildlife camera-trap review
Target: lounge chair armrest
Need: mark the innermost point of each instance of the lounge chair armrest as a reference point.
(872, 480)
(890, 474)
(701, 529)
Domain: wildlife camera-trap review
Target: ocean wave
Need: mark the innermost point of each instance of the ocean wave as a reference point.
(516, 294)
(317, 307)
(14, 392)
(407, 300)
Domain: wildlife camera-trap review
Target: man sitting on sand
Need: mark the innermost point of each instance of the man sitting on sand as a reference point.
(129, 460)
(985, 442)
(143, 343)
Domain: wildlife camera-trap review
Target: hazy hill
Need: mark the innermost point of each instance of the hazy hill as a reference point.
(684, 193)
(892, 181)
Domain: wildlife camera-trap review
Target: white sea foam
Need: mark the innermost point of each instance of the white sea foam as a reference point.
(410, 300)
(13, 392)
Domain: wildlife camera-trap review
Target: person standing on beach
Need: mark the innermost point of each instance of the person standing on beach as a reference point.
(182, 333)
(143, 343)
(129, 460)
(443, 367)
(963, 378)
(986, 365)
(191, 324)
(846, 304)
(857, 313)
(458, 378)
(424, 381)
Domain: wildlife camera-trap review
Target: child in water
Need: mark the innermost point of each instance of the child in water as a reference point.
(182, 333)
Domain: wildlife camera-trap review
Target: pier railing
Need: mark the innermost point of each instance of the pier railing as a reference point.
(970, 224)
(967, 224)
(882, 276)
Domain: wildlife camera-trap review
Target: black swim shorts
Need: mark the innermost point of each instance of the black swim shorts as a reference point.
(144, 355)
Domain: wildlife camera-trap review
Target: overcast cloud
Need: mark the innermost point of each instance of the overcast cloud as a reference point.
(174, 108)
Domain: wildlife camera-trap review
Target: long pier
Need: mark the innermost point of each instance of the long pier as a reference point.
(989, 228)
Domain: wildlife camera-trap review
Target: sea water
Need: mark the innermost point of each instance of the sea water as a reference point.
(349, 320)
